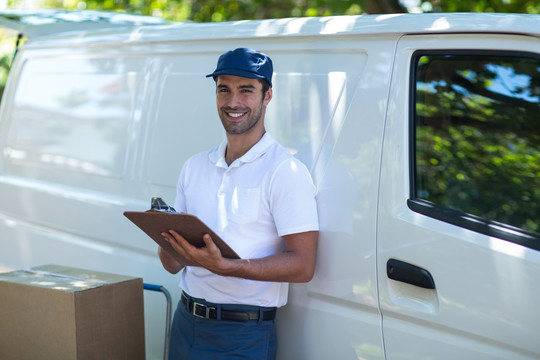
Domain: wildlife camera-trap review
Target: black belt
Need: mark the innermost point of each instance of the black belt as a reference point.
(210, 312)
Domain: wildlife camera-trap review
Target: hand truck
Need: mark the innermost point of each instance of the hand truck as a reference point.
(165, 292)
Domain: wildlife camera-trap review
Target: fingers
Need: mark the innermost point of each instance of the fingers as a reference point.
(166, 236)
(208, 256)
(177, 241)
(208, 241)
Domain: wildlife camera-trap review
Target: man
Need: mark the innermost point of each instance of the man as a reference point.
(261, 201)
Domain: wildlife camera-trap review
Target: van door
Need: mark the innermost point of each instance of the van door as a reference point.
(458, 223)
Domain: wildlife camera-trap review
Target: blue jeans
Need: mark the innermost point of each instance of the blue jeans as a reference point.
(195, 338)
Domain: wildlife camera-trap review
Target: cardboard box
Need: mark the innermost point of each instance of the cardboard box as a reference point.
(57, 312)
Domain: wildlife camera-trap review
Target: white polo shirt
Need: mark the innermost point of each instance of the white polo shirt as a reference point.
(251, 204)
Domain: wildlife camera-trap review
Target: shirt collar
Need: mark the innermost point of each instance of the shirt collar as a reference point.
(217, 156)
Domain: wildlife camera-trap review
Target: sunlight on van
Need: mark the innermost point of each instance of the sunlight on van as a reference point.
(333, 25)
(440, 24)
(508, 248)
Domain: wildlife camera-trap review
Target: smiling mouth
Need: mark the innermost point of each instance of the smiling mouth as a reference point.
(235, 114)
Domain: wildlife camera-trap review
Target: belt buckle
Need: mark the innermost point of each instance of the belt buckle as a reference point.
(206, 310)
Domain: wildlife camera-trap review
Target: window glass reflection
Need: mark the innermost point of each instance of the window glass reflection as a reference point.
(72, 120)
(478, 136)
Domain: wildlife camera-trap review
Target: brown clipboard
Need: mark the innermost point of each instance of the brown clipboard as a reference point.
(153, 223)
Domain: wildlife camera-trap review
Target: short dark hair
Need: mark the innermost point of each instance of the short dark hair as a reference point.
(265, 86)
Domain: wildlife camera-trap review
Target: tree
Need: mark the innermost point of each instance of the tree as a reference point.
(227, 10)
(499, 6)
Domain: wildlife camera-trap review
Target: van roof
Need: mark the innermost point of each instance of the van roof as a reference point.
(44, 22)
(433, 23)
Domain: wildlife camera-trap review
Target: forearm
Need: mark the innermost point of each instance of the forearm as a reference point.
(169, 263)
(297, 264)
(285, 267)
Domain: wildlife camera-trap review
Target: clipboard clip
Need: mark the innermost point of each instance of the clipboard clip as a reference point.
(157, 204)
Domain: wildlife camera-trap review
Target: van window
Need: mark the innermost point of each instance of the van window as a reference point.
(476, 142)
(71, 115)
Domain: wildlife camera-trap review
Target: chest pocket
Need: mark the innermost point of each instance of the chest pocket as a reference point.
(244, 205)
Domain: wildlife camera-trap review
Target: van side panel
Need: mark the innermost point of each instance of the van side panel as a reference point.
(185, 120)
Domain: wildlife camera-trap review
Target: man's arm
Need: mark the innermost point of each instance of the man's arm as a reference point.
(169, 263)
(296, 264)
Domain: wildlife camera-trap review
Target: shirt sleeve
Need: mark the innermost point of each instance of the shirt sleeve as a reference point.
(180, 201)
(293, 199)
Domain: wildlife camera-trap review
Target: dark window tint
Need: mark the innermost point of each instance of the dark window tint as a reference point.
(477, 139)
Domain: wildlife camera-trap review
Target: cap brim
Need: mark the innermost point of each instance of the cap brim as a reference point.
(236, 72)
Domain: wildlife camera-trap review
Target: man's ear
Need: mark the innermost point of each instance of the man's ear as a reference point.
(267, 97)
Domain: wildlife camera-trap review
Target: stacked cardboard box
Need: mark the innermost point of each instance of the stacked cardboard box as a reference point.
(57, 312)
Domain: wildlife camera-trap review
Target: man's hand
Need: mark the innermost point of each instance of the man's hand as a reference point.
(208, 256)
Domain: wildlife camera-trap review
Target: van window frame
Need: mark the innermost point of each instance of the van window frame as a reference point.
(443, 213)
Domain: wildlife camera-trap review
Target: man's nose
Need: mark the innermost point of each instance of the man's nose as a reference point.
(234, 100)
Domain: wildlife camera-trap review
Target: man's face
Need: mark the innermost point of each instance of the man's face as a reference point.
(240, 103)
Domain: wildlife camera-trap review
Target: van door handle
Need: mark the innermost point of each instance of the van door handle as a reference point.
(409, 273)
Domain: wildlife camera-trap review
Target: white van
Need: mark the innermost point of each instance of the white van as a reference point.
(421, 132)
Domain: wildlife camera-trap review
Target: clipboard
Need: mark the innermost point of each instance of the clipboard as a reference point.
(153, 223)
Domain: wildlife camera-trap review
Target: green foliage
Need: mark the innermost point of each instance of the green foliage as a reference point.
(499, 6)
(215, 10)
(478, 136)
(8, 40)
(230, 10)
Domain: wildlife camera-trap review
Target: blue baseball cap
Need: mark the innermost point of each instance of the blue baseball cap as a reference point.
(246, 63)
